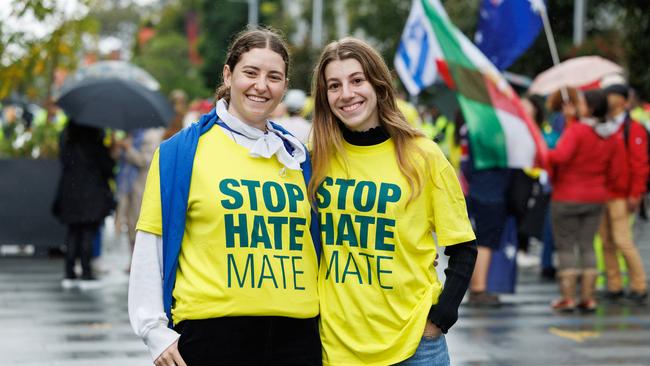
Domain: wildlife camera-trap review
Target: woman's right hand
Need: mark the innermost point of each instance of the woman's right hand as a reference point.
(431, 330)
(170, 357)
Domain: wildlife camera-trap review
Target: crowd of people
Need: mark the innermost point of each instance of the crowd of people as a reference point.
(273, 227)
(380, 187)
(28, 130)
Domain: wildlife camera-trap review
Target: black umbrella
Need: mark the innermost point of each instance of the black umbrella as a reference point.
(116, 103)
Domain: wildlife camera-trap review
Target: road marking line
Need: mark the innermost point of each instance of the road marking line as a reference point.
(578, 336)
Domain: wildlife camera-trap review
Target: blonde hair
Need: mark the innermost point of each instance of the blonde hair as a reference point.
(327, 135)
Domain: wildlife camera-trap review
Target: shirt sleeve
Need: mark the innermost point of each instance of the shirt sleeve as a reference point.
(637, 159)
(462, 258)
(151, 211)
(565, 148)
(451, 223)
(146, 310)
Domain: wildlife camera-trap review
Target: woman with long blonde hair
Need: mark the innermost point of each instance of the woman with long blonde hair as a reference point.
(381, 189)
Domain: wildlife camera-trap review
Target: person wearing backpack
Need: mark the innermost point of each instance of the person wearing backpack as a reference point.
(615, 230)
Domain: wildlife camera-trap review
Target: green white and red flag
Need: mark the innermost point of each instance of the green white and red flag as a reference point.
(501, 134)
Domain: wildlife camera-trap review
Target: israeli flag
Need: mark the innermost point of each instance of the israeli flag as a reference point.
(415, 61)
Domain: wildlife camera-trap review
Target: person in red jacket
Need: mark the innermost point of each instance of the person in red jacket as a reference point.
(585, 163)
(615, 229)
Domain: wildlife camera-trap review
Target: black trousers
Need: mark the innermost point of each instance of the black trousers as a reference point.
(79, 242)
(250, 340)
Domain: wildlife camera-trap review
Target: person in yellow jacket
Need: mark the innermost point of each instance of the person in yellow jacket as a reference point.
(382, 188)
(410, 112)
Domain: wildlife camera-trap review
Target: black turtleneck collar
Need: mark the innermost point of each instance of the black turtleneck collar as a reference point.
(373, 136)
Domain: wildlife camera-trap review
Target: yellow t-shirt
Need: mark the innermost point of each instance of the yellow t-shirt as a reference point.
(246, 248)
(377, 281)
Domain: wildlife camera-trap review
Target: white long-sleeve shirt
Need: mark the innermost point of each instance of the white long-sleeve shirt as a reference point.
(146, 310)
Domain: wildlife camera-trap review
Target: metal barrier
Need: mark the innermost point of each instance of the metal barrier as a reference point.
(27, 189)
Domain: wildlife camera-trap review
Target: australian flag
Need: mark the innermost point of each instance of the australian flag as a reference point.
(506, 29)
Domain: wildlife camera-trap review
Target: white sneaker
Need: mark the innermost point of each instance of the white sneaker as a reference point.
(90, 284)
(526, 260)
(69, 283)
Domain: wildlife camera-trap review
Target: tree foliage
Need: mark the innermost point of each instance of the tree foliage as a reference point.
(221, 20)
(616, 29)
(382, 28)
(166, 58)
(166, 55)
(635, 40)
(32, 72)
(116, 18)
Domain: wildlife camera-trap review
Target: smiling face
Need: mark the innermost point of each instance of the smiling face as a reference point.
(257, 85)
(350, 95)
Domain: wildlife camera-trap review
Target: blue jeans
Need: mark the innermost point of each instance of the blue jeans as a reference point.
(430, 352)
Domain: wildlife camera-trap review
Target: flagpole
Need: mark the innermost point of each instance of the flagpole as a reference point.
(551, 45)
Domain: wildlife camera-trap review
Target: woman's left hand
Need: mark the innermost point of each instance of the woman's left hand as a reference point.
(431, 330)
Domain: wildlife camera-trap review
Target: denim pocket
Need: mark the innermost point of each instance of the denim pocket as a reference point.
(432, 351)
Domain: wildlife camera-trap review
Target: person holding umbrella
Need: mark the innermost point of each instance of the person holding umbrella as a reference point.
(587, 164)
(83, 197)
(226, 254)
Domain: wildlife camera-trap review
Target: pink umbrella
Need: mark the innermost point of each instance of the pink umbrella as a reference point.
(576, 72)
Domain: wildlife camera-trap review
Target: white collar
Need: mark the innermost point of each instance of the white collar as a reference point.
(266, 144)
(619, 118)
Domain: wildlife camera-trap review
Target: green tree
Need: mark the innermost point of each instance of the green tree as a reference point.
(636, 28)
(381, 22)
(221, 20)
(116, 18)
(166, 55)
(33, 72)
(166, 58)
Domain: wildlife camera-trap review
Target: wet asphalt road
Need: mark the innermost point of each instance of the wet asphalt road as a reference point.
(43, 325)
